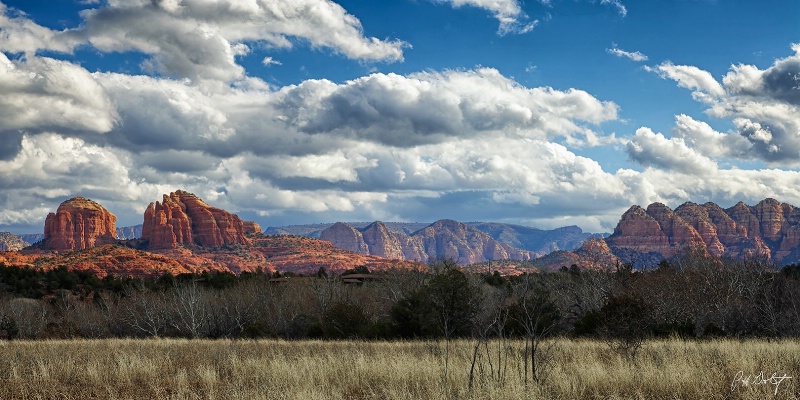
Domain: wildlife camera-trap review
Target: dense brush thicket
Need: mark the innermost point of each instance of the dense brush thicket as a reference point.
(691, 296)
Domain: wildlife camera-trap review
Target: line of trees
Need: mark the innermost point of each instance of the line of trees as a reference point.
(691, 296)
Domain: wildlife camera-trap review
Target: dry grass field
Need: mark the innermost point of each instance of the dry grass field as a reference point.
(277, 369)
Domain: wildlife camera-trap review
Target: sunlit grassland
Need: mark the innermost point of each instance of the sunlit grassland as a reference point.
(278, 369)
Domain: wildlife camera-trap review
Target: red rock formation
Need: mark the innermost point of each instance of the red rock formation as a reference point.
(725, 226)
(79, 224)
(681, 234)
(747, 224)
(183, 218)
(791, 232)
(252, 227)
(698, 218)
(124, 261)
(595, 254)
(264, 253)
(770, 217)
(640, 231)
(768, 229)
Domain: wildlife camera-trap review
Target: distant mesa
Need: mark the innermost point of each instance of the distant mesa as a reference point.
(78, 224)
(182, 218)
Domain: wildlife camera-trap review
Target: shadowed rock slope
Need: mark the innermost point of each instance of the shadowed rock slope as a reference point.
(442, 239)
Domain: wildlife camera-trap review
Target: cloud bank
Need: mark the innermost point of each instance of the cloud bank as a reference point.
(465, 144)
(762, 105)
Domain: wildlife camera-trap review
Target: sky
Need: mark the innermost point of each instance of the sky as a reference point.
(543, 113)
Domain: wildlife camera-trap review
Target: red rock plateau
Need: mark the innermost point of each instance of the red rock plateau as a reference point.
(78, 224)
(442, 239)
(183, 218)
(119, 260)
(19, 259)
(297, 254)
(769, 229)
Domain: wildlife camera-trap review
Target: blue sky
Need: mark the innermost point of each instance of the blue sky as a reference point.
(541, 113)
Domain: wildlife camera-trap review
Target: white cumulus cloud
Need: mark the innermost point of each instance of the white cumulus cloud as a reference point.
(200, 40)
(653, 149)
(632, 55)
(508, 12)
(762, 105)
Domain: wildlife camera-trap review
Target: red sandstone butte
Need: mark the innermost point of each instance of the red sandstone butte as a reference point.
(183, 218)
(79, 224)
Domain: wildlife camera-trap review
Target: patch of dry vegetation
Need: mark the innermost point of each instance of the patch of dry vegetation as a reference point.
(277, 369)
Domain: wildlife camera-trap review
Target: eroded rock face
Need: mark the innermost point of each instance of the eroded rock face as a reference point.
(769, 214)
(252, 227)
(727, 231)
(345, 237)
(638, 229)
(697, 217)
(769, 229)
(595, 254)
(382, 242)
(183, 218)
(11, 242)
(78, 224)
(442, 239)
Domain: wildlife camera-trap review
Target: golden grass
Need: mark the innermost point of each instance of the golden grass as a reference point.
(277, 369)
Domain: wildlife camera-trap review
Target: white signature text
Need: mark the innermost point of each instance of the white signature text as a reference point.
(761, 378)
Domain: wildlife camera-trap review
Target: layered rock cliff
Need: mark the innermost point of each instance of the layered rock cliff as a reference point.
(252, 227)
(769, 229)
(595, 254)
(442, 239)
(78, 224)
(11, 242)
(183, 218)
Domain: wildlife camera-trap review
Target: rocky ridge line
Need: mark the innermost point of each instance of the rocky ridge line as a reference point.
(768, 230)
(442, 239)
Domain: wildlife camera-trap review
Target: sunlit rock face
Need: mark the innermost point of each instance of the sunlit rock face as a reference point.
(78, 224)
(769, 229)
(183, 218)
